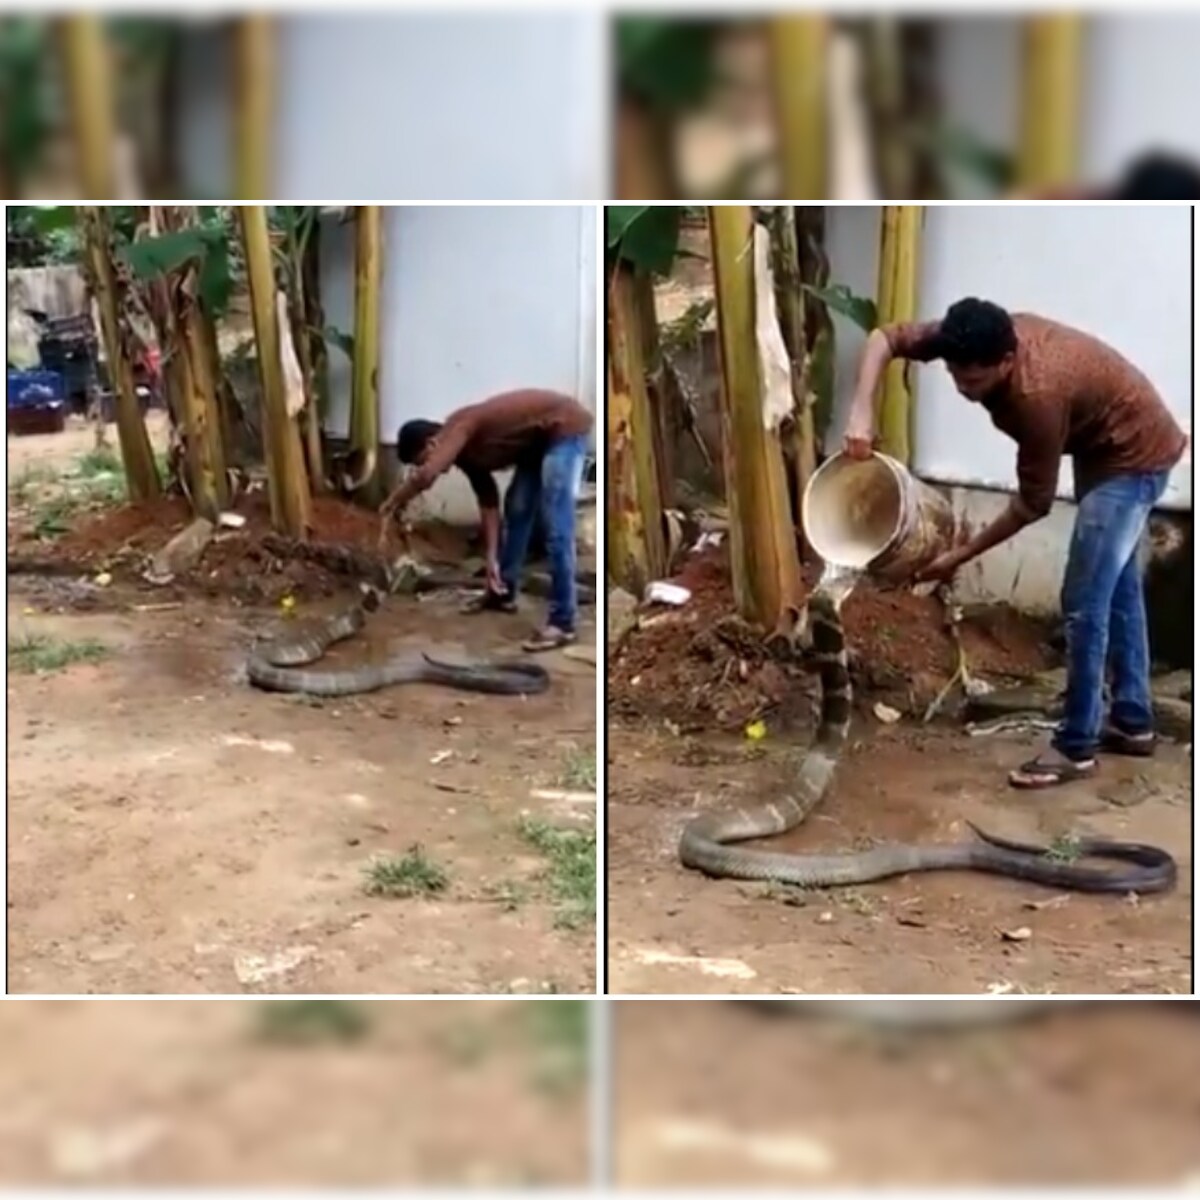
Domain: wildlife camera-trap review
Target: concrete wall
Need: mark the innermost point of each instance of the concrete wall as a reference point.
(1141, 88)
(476, 300)
(1121, 272)
(417, 106)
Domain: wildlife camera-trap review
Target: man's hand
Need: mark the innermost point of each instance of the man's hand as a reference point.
(942, 569)
(859, 441)
(494, 583)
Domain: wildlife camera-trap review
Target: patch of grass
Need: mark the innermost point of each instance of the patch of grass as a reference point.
(571, 872)
(53, 518)
(579, 773)
(305, 1022)
(558, 1035)
(409, 874)
(37, 654)
(33, 476)
(1064, 849)
(102, 461)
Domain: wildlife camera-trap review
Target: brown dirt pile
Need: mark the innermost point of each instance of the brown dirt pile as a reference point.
(697, 667)
(236, 562)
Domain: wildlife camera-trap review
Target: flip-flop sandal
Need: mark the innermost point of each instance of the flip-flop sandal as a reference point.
(1039, 774)
(1131, 745)
(489, 602)
(547, 639)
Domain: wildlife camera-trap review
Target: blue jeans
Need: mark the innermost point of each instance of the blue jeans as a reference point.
(1105, 613)
(554, 484)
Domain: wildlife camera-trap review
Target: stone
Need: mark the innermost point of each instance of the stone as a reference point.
(622, 615)
(182, 552)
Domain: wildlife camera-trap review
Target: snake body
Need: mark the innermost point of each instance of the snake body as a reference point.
(707, 841)
(275, 665)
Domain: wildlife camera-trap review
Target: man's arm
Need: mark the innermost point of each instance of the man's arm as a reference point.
(1040, 446)
(915, 341)
(483, 484)
(444, 449)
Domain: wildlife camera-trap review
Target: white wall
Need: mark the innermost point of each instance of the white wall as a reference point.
(1120, 272)
(476, 300)
(419, 105)
(1141, 88)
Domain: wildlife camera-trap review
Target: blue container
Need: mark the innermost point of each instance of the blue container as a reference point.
(35, 389)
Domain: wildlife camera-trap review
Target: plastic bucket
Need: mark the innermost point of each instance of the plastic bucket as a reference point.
(872, 515)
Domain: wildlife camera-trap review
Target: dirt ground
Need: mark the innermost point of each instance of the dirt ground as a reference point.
(214, 1093)
(673, 930)
(710, 1093)
(171, 830)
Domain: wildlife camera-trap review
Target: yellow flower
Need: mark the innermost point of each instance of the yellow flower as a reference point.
(288, 604)
(756, 731)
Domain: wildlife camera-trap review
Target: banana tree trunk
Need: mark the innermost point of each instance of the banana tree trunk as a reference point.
(899, 249)
(766, 571)
(364, 394)
(636, 549)
(287, 479)
(789, 297)
(254, 110)
(799, 52)
(88, 74)
(1051, 90)
(141, 472)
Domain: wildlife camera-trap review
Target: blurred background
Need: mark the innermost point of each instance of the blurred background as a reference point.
(721, 1093)
(294, 1092)
(894, 106)
(417, 104)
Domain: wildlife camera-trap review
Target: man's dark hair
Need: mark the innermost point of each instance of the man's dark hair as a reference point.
(1159, 176)
(413, 437)
(976, 333)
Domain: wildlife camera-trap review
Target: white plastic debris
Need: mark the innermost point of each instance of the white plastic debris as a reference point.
(660, 592)
(231, 520)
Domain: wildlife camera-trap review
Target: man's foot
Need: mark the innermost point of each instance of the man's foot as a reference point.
(489, 601)
(1050, 769)
(548, 638)
(1131, 745)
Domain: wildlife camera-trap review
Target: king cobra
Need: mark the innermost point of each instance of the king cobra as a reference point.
(706, 841)
(273, 665)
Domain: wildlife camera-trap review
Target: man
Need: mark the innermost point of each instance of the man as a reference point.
(541, 435)
(1055, 390)
(1156, 175)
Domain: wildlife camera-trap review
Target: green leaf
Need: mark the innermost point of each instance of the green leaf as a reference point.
(166, 252)
(618, 218)
(668, 62)
(343, 341)
(648, 236)
(216, 279)
(959, 150)
(838, 298)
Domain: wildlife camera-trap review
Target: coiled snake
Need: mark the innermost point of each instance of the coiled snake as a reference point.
(273, 665)
(706, 843)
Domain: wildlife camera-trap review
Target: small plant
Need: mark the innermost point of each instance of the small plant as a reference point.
(571, 872)
(1064, 849)
(409, 874)
(557, 1031)
(309, 1021)
(36, 654)
(580, 771)
(101, 461)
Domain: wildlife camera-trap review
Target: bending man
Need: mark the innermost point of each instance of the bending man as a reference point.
(1056, 390)
(542, 436)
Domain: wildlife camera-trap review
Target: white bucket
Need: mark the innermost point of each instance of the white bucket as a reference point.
(871, 515)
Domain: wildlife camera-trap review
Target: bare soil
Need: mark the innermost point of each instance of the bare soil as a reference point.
(196, 1093)
(716, 1094)
(171, 830)
(675, 931)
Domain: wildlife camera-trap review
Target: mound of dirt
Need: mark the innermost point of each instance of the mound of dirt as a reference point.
(244, 563)
(698, 667)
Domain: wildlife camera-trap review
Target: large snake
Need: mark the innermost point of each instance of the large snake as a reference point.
(706, 841)
(939, 1015)
(273, 665)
